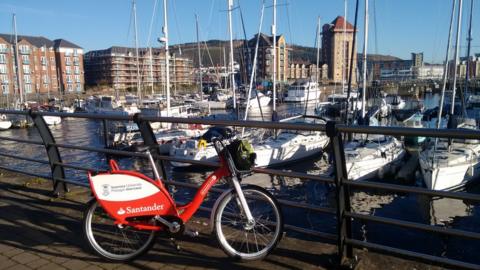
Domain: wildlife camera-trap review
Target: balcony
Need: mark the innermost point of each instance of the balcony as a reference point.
(27, 71)
(3, 61)
(25, 51)
(76, 63)
(3, 50)
(68, 72)
(68, 63)
(26, 61)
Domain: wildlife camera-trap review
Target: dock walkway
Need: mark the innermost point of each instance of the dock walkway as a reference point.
(39, 232)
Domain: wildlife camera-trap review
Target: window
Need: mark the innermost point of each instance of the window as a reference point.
(52, 59)
(3, 48)
(77, 70)
(5, 89)
(3, 69)
(24, 49)
(25, 59)
(45, 79)
(3, 79)
(68, 70)
(75, 52)
(3, 59)
(43, 60)
(77, 78)
(69, 78)
(26, 69)
(28, 88)
(27, 79)
(69, 87)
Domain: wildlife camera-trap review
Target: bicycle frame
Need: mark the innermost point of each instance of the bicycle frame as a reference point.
(124, 204)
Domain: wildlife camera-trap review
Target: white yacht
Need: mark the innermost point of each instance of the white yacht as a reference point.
(371, 157)
(451, 166)
(303, 90)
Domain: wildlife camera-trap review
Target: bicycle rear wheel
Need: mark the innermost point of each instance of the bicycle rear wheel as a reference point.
(111, 241)
(240, 240)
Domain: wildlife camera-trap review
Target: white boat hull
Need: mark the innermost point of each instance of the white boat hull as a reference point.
(52, 120)
(5, 124)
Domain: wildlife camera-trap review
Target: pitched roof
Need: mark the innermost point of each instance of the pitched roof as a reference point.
(338, 24)
(265, 40)
(65, 44)
(35, 41)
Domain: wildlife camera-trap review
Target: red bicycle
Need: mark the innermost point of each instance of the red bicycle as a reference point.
(129, 208)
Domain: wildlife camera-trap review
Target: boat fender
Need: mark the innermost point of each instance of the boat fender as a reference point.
(3, 117)
(202, 144)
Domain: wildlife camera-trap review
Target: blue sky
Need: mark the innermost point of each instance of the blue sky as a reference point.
(403, 26)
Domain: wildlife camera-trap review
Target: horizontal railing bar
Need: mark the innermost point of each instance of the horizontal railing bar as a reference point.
(48, 177)
(77, 183)
(411, 254)
(324, 235)
(95, 116)
(24, 158)
(21, 141)
(236, 123)
(189, 161)
(282, 202)
(321, 178)
(17, 112)
(416, 190)
(99, 150)
(414, 225)
(308, 206)
(76, 167)
(403, 131)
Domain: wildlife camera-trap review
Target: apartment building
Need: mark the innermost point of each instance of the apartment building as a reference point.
(69, 59)
(265, 63)
(337, 49)
(117, 67)
(38, 66)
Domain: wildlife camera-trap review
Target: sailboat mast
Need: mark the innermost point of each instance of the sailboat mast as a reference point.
(469, 40)
(17, 61)
(139, 90)
(344, 53)
(274, 52)
(232, 75)
(457, 48)
(167, 54)
(318, 50)
(200, 75)
(365, 43)
(445, 72)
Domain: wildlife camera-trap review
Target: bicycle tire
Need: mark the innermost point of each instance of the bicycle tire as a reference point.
(231, 229)
(111, 241)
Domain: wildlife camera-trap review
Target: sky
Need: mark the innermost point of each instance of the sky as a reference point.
(401, 26)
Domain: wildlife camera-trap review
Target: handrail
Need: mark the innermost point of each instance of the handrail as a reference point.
(343, 211)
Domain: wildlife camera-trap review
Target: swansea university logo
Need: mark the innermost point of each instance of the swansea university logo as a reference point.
(106, 190)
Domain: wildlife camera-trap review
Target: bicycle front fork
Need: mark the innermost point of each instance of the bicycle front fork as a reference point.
(243, 202)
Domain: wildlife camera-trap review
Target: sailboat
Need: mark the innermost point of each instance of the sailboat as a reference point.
(372, 155)
(450, 164)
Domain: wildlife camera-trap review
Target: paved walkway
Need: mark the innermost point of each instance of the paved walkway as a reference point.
(38, 232)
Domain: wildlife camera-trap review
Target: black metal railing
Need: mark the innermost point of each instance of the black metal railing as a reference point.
(343, 212)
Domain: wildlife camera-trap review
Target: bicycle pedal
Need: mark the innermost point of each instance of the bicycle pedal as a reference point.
(190, 233)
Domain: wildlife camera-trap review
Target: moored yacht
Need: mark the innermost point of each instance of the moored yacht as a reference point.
(302, 91)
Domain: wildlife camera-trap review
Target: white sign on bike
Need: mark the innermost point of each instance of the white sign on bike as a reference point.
(120, 187)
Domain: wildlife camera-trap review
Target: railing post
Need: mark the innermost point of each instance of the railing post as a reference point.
(59, 187)
(149, 139)
(344, 225)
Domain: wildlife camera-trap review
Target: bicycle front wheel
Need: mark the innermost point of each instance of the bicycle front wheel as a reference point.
(111, 241)
(241, 240)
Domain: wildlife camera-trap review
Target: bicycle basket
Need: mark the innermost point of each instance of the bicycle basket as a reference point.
(242, 154)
